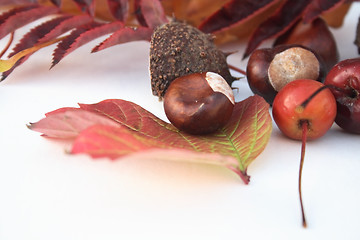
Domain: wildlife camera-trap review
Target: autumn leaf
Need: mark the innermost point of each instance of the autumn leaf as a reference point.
(117, 128)
(283, 19)
(234, 12)
(81, 36)
(45, 32)
(150, 13)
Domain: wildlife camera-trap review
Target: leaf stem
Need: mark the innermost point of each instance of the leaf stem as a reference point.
(304, 126)
(243, 175)
(237, 69)
(11, 39)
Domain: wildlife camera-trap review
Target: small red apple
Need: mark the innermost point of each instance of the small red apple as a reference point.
(345, 76)
(289, 113)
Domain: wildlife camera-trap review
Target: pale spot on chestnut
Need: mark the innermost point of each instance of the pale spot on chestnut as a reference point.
(293, 63)
(218, 84)
(199, 103)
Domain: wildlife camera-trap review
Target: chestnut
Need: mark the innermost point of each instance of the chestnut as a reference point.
(270, 69)
(316, 36)
(199, 103)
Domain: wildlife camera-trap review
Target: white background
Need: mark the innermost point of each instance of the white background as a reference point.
(47, 194)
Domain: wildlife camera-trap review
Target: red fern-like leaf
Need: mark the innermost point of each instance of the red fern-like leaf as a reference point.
(81, 36)
(119, 9)
(18, 17)
(124, 35)
(45, 32)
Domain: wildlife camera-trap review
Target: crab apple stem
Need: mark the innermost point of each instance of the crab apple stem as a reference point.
(237, 69)
(306, 102)
(304, 126)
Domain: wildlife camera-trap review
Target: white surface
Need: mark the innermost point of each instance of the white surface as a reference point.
(47, 194)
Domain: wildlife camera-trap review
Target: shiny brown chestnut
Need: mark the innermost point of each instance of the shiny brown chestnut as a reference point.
(270, 69)
(199, 103)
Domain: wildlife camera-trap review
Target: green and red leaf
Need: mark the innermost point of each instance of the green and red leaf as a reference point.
(115, 128)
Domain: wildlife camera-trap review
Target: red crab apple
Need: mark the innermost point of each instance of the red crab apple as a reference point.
(304, 109)
(290, 113)
(345, 77)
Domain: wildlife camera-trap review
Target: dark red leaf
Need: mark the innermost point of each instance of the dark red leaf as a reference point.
(124, 35)
(150, 13)
(317, 7)
(234, 12)
(16, 2)
(56, 2)
(119, 9)
(86, 6)
(46, 31)
(18, 17)
(285, 17)
(81, 36)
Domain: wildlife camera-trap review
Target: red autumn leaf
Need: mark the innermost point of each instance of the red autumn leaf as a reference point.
(87, 6)
(81, 36)
(18, 17)
(119, 9)
(56, 2)
(234, 12)
(45, 32)
(68, 122)
(17, 2)
(123, 35)
(133, 129)
(317, 7)
(279, 23)
(150, 13)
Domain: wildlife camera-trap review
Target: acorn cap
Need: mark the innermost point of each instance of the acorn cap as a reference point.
(178, 49)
